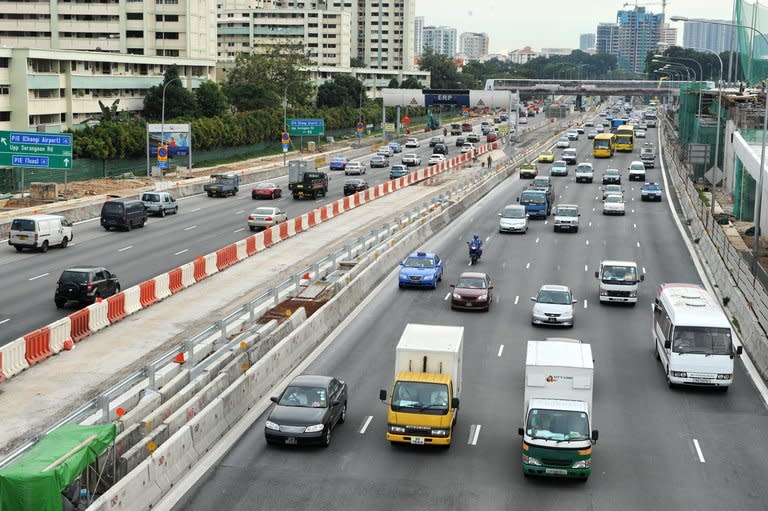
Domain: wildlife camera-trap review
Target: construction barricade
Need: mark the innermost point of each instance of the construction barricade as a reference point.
(132, 299)
(162, 286)
(175, 280)
(80, 321)
(14, 360)
(147, 294)
(116, 307)
(98, 316)
(60, 334)
(37, 345)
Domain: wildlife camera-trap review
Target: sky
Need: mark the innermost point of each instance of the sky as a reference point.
(514, 24)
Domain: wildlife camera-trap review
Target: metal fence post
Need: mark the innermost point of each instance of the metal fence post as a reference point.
(275, 292)
(150, 370)
(189, 348)
(103, 403)
(316, 270)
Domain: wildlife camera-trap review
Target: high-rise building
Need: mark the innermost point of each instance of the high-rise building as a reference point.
(441, 40)
(418, 36)
(473, 45)
(586, 41)
(638, 33)
(717, 38)
(606, 40)
(668, 36)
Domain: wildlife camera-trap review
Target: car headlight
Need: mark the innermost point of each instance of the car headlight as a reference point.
(603, 292)
(314, 429)
(530, 460)
(633, 293)
(566, 315)
(396, 429)
(725, 376)
(271, 425)
(583, 463)
(483, 298)
(456, 296)
(439, 432)
(679, 374)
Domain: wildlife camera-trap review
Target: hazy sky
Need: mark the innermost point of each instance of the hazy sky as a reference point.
(512, 24)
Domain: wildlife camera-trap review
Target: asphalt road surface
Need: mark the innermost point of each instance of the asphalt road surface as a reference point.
(202, 225)
(659, 449)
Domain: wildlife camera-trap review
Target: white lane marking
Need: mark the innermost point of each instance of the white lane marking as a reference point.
(593, 210)
(517, 298)
(634, 226)
(587, 242)
(560, 197)
(590, 224)
(448, 295)
(501, 350)
(474, 432)
(239, 230)
(586, 268)
(240, 212)
(38, 277)
(486, 239)
(6, 320)
(194, 210)
(537, 240)
(365, 424)
(469, 264)
(181, 251)
(631, 210)
(698, 451)
(527, 266)
(638, 244)
(585, 303)
(125, 248)
(643, 270)
(545, 222)
(190, 228)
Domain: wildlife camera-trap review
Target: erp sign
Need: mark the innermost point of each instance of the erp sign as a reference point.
(446, 97)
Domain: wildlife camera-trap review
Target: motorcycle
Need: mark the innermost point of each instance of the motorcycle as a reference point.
(475, 251)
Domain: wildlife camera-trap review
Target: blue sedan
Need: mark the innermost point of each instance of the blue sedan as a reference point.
(650, 191)
(396, 147)
(421, 269)
(339, 163)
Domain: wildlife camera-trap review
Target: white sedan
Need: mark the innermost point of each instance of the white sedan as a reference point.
(411, 159)
(412, 142)
(613, 204)
(436, 158)
(563, 142)
(469, 146)
(385, 151)
(266, 217)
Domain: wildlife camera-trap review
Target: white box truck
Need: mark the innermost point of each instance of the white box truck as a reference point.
(424, 400)
(558, 434)
(619, 281)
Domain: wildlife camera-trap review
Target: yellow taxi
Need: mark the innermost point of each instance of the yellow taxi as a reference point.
(546, 157)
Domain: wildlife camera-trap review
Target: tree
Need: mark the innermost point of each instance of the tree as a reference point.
(356, 62)
(179, 102)
(210, 100)
(109, 113)
(343, 90)
(443, 74)
(393, 84)
(411, 83)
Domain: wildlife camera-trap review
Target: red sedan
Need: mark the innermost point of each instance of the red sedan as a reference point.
(266, 191)
(473, 291)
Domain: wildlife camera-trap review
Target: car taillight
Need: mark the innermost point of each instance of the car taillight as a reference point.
(250, 217)
(268, 219)
(89, 287)
(58, 283)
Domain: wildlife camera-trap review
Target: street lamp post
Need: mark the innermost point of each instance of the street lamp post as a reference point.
(162, 111)
(759, 194)
(285, 115)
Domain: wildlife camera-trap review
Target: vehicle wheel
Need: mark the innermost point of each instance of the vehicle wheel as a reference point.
(576, 230)
(176, 210)
(210, 194)
(162, 212)
(343, 416)
(44, 247)
(60, 303)
(106, 228)
(117, 289)
(252, 227)
(20, 248)
(327, 436)
(64, 242)
(273, 195)
(128, 226)
(669, 382)
(142, 223)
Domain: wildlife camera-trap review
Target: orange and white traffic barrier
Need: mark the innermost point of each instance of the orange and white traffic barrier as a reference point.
(241, 249)
(132, 299)
(37, 345)
(147, 294)
(14, 360)
(60, 334)
(80, 322)
(210, 264)
(116, 307)
(97, 316)
(162, 286)
(188, 274)
(175, 280)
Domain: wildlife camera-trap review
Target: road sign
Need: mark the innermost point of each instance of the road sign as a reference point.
(162, 153)
(406, 121)
(285, 138)
(389, 127)
(306, 127)
(32, 149)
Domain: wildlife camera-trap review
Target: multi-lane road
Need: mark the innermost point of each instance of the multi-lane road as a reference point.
(658, 448)
(203, 225)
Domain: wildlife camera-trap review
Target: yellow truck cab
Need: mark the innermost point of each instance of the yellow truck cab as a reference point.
(424, 400)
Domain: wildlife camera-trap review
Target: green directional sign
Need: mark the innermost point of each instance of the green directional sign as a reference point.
(35, 150)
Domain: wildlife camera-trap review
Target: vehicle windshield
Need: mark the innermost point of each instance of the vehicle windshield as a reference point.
(651, 187)
(611, 172)
(265, 185)
(601, 144)
(224, 180)
(513, 213)
(559, 164)
(313, 175)
(74, 277)
(21, 224)
(637, 166)
(555, 297)
(418, 397)
(304, 397)
(532, 198)
(701, 340)
(540, 183)
(563, 139)
(557, 425)
(113, 207)
(619, 275)
(613, 198)
(419, 262)
(150, 197)
(471, 283)
(264, 211)
(567, 212)
(584, 168)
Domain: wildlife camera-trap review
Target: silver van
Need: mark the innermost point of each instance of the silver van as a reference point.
(40, 232)
(159, 203)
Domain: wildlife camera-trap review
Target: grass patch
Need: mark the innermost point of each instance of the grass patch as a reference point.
(704, 199)
(736, 324)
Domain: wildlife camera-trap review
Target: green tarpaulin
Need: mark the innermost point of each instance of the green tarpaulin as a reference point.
(25, 485)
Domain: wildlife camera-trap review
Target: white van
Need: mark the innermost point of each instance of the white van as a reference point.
(618, 281)
(40, 232)
(692, 337)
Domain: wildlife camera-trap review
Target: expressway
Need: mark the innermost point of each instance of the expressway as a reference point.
(658, 448)
(203, 225)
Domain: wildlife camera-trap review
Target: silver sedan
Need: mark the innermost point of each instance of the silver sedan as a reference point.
(266, 217)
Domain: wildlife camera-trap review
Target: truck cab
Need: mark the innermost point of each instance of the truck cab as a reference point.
(619, 281)
(455, 129)
(222, 185)
(536, 202)
(424, 400)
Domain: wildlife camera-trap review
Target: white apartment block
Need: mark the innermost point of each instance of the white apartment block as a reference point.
(522, 56)
(324, 35)
(473, 45)
(171, 28)
(53, 90)
(441, 40)
(418, 36)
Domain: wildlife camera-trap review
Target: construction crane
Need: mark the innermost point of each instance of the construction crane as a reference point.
(662, 3)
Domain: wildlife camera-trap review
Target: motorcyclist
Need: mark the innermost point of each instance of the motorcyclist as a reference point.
(478, 243)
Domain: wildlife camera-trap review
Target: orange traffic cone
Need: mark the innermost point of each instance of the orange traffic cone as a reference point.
(179, 358)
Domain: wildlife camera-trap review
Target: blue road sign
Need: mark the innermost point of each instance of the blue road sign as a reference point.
(29, 161)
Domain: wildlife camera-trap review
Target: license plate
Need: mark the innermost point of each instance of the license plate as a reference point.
(417, 440)
(468, 304)
(700, 380)
(556, 471)
(552, 320)
(290, 441)
(23, 236)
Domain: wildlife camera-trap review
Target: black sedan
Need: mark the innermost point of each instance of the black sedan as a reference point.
(352, 186)
(307, 411)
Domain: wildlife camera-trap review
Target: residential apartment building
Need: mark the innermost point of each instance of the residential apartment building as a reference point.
(441, 40)
(324, 34)
(473, 45)
(550, 52)
(522, 56)
(606, 38)
(668, 36)
(53, 90)
(638, 33)
(586, 42)
(718, 38)
(418, 36)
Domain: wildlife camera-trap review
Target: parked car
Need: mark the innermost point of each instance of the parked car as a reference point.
(85, 285)
(553, 305)
(411, 160)
(397, 171)
(379, 161)
(473, 291)
(338, 163)
(266, 217)
(266, 191)
(352, 186)
(307, 411)
(123, 213)
(159, 203)
(354, 168)
(40, 232)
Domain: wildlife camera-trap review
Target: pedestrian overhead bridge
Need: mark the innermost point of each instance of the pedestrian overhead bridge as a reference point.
(587, 87)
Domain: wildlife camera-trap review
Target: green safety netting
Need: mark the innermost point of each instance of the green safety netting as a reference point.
(753, 49)
(65, 452)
